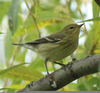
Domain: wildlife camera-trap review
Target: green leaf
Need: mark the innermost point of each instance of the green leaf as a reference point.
(17, 87)
(10, 68)
(8, 46)
(42, 23)
(20, 56)
(89, 83)
(82, 87)
(95, 9)
(4, 8)
(23, 73)
(93, 19)
(13, 15)
(97, 1)
(72, 86)
(4, 88)
(38, 64)
(92, 44)
(1, 33)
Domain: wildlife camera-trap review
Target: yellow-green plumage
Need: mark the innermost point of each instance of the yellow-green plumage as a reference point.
(63, 48)
(56, 46)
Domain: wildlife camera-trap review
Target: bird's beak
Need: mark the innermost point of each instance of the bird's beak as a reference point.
(81, 25)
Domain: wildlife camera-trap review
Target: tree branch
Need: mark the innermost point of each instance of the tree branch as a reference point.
(65, 75)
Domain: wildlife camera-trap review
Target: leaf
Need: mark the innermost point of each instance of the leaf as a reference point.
(37, 63)
(4, 8)
(10, 68)
(42, 23)
(65, 89)
(1, 33)
(82, 87)
(89, 83)
(17, 87)
(93, 19)
(72, 86)
(96, 9)
(92, 41)
(4, 88)
(8, 47)
(24, 73)
(13, 15)
(98, 2)
(20, 56)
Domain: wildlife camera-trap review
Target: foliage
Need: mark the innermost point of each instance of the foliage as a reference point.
(50, 16)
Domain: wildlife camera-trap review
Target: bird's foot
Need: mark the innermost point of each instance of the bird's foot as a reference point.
(59, 63)
(49, 75)
(74, 59)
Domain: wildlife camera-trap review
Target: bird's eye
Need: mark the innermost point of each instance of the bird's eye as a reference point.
(71, 27)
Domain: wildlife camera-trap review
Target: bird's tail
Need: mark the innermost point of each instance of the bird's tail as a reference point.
(17, 44)
(25, 45)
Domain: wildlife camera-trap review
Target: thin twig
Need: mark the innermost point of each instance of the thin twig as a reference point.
(82, 17)
(33, 18)
(35, 3)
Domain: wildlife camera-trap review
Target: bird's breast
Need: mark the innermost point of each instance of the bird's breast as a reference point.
(57, 51)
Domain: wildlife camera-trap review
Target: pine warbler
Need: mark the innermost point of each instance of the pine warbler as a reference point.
(56, 46)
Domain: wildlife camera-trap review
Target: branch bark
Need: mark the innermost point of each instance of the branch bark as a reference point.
(65, 75)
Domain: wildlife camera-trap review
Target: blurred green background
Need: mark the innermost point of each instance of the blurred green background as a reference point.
(20, 24)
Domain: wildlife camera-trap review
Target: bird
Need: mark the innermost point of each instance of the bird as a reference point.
(56, 46)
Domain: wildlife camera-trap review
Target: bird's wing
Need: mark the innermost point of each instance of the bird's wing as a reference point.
(54, 38)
